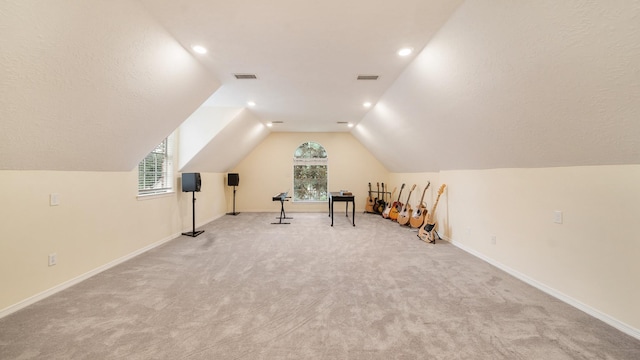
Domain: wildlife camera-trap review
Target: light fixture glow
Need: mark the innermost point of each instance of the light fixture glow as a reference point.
(251, 103)
(269, 124)
(350, 125)
(199, 49)
(405, 51)
(367, 104)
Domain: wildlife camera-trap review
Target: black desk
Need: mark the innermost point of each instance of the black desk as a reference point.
(336, 197)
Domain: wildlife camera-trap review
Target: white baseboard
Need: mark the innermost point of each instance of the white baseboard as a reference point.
(37, 297)
(627, 329)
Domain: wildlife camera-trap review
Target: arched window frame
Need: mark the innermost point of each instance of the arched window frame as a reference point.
(313, 189)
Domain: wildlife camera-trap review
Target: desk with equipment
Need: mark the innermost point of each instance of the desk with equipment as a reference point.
(282, 197)
(345, 197)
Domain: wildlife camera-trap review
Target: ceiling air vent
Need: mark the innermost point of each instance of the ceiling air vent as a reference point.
(245, 76)
(368, 77)
(277, 122)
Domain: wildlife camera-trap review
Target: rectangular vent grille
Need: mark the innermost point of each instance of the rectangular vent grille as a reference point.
(245, 76)
(368, 77)
(277, 122)
(342, 122)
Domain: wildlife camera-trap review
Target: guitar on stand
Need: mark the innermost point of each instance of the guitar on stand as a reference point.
(368, 207)
(417, 218)
(387, 208)
(380, 204)
(377, 199)
(427, 231)
(405, 214)
(395, 208)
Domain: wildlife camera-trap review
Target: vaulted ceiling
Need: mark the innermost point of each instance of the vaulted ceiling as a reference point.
(490, 84)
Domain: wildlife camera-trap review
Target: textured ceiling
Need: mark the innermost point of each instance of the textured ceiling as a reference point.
(90, 85)
(306, 54)
(526, 84)
(492, 84)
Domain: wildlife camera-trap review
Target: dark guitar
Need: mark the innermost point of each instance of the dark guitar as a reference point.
(405, 214)
(427, 230)
(368, 207)
(380, 203)
(417, 218)
(395, 208)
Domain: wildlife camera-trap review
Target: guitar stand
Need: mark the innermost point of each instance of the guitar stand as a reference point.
(283, 215)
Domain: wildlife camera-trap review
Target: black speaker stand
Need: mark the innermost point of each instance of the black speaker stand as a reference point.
(193, 233)
(234, 203)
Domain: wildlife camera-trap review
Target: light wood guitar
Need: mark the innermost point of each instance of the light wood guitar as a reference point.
(397, 205)
(368, 207)
(427, 230)
(387, 209)
(417, 218)
(405, 214)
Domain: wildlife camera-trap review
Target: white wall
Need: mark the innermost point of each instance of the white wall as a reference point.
(590, 260)
(268, 170)
(99, 220)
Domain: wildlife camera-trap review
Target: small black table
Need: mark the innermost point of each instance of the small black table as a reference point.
(338, 197)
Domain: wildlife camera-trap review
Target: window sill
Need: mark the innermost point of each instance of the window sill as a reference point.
(155, 196)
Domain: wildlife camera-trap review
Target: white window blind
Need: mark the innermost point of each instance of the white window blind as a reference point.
(155, 171)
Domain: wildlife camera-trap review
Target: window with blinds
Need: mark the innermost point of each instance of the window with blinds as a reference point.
(310, 172)
(155, 171)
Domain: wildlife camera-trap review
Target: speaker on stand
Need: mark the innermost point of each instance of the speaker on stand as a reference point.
(233, 180)
(191, 183)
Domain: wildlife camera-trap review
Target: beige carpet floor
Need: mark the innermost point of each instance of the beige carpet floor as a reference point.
(246, 289)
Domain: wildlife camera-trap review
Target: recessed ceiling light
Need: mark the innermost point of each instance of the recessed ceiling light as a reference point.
(350, 125)
(269, 124)
(199, 49)
(251, 103)
(405, 51)
(367, 104)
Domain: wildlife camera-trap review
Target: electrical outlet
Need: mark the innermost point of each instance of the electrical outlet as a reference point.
(557, 217)
(493, 240)
(53, 259)
(54, 199)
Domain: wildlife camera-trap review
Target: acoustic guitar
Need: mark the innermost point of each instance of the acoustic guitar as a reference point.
(387, 209)
(405, 214)
(368, 207)
(417, 218)
(427, 230)
(395, 208)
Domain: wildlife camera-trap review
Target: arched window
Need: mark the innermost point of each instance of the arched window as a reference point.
(310, 172)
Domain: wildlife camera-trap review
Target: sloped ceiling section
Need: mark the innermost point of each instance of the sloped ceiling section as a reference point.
(229, 145)
(523, 84)
(200, 128)
(90, 85)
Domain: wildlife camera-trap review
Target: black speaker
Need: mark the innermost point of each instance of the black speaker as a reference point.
(233, 179)
(191, 182)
